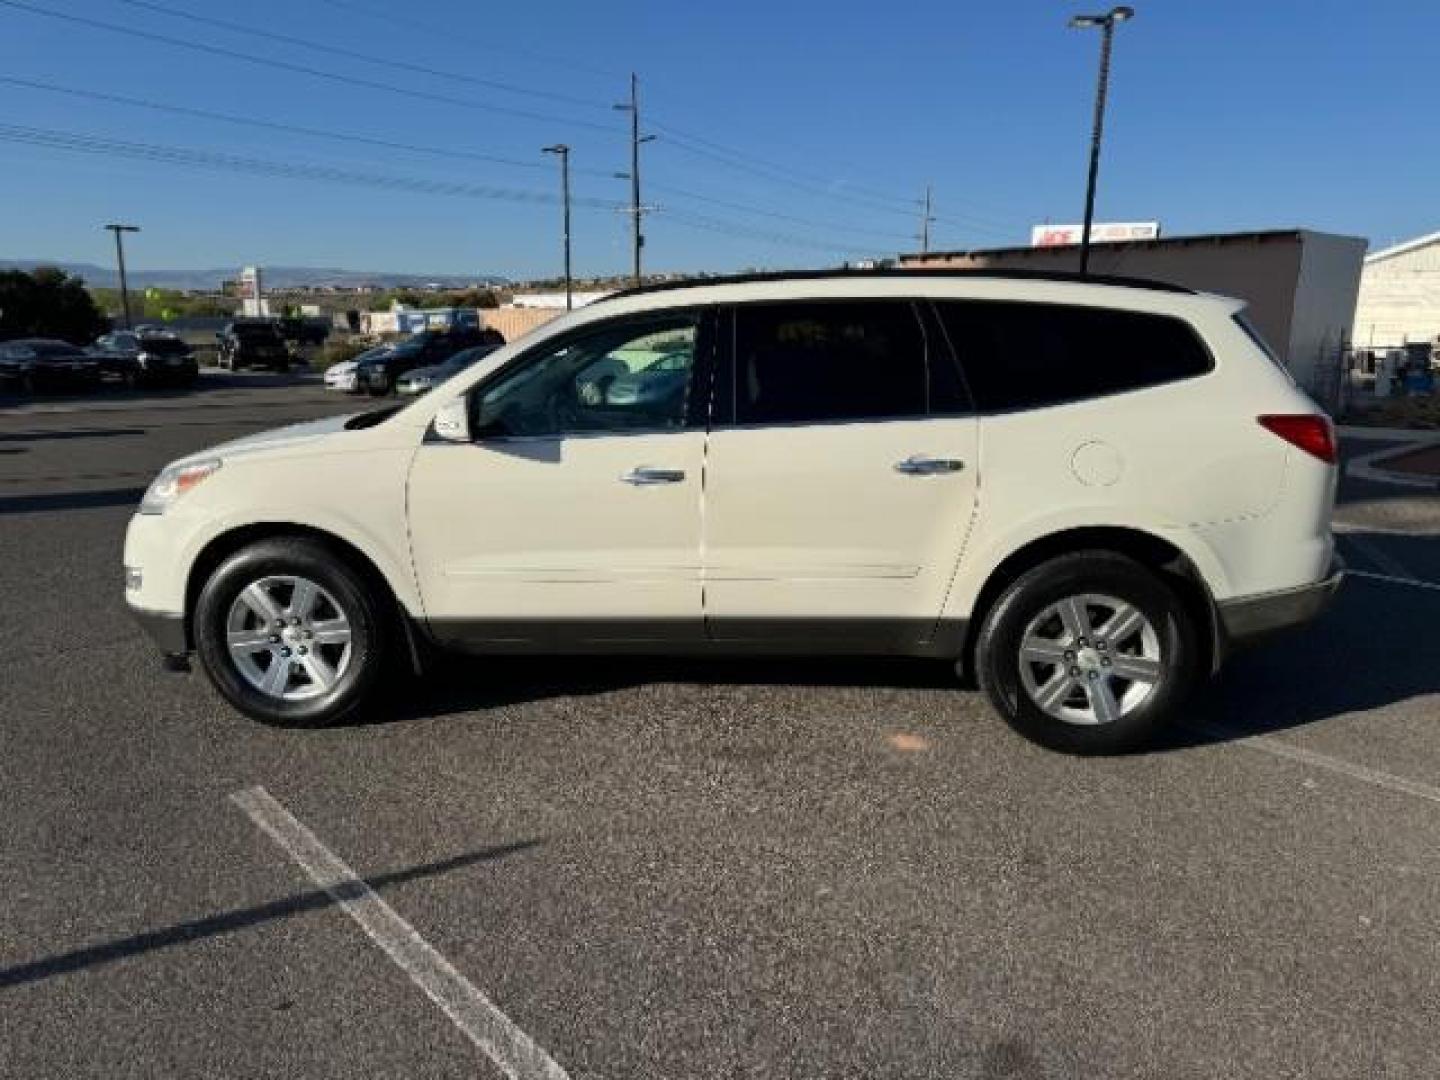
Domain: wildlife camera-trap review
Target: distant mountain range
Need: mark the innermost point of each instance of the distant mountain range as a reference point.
(274, 277)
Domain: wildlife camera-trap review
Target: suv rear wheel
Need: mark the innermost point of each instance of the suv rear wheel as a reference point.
(291, 635)
(1088, 653)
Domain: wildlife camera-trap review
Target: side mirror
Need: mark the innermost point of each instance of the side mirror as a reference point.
(452, 422)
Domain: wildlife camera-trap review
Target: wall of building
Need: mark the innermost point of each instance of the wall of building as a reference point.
(1324, 314)
(1399, 298)
(515, 322)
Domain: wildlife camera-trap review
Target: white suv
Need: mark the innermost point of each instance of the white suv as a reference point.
(1082, 491)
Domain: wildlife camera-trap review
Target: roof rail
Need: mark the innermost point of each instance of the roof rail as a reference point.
(905, 272)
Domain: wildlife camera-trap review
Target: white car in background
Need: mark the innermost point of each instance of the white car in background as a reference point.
(1084, 491)
(341, 376)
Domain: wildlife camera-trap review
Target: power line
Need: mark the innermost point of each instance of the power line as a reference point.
(352, 54)
(438, 151)
(775, 215)
(51, 138)
(275, 125)
(409, 22)
(726, 228)
(301, 69)
(779, 174)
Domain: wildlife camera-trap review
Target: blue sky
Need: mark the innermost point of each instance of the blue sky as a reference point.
(831, 117)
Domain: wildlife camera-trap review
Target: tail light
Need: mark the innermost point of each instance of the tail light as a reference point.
(1313, 434)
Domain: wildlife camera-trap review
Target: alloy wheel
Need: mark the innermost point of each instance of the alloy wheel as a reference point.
(288, 637)
(1089, 659)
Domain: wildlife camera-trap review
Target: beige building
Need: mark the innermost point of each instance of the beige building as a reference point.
(1301, 285)
(1400, 295)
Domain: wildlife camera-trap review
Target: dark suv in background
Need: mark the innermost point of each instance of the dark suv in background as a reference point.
(44, 364)
(378, 374)
(146, 358)
(253, 343)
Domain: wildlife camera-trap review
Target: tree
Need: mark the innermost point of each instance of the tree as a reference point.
(48, 303)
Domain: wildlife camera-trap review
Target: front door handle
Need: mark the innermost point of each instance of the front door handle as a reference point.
(919, 465)
(642, 475)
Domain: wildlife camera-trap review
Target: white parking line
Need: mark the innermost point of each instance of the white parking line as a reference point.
(1384, 562)
(1414, 583)
(472, 1012)
(1268, 744)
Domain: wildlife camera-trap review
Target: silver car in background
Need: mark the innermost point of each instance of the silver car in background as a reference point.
(422, 380)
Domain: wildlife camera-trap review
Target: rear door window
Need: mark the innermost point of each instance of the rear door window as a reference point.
(831, 361)
(1022, 356)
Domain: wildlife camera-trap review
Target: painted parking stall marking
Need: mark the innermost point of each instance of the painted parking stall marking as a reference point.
(480, 1019)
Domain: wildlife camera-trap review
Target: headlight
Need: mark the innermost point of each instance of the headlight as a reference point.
(173, 482)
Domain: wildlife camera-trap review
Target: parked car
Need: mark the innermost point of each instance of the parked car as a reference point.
(378, 375)
(341, 375)
(45, 364)
(146, 358)
(1156, 491)
(253, 343)
(422, 380)
(305, 330)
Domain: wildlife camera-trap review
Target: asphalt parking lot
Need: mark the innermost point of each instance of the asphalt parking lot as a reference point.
(693, 869)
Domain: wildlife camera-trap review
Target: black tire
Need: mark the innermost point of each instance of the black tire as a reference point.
(998, 657)
(357, 689)
(384, 390)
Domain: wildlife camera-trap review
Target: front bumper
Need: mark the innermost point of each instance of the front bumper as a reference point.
(165, 628)
(1251, 618)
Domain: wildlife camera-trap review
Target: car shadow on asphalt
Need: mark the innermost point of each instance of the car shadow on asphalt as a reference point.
(109, 952)
(68, 433)
(50, 501)
(462, 684)
(1372, 649)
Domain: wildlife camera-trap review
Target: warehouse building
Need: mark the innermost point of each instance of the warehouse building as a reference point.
(1400, 295)
(1300, 285)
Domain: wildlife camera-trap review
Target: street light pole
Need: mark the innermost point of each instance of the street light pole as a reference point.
(563, 151)
(1106, 23)
(120, 260)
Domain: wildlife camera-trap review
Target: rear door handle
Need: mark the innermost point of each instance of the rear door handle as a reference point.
(643, 475)
(919, 465)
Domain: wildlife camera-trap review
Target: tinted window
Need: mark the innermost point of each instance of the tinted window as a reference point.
(1019, 356)
(57, 348)
(626, 376)
(844, 360)
(164, 346)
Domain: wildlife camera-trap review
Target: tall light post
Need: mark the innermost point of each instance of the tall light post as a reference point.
(120, 260)
(563, 152)
(1106, 23)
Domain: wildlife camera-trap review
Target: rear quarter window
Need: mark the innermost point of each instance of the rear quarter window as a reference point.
(1024, 356)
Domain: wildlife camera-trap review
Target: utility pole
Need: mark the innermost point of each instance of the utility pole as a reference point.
(925, 221)
(1106, 23)
(636, 210)
(120, 260)
(563, 152)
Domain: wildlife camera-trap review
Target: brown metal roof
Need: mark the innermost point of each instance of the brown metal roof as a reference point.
(1164, 241)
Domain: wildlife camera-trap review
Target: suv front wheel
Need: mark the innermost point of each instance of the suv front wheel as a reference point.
(291, 635)
(1088, 653)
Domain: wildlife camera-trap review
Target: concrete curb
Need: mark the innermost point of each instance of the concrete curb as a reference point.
(1371, 467)
(1385, 434)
